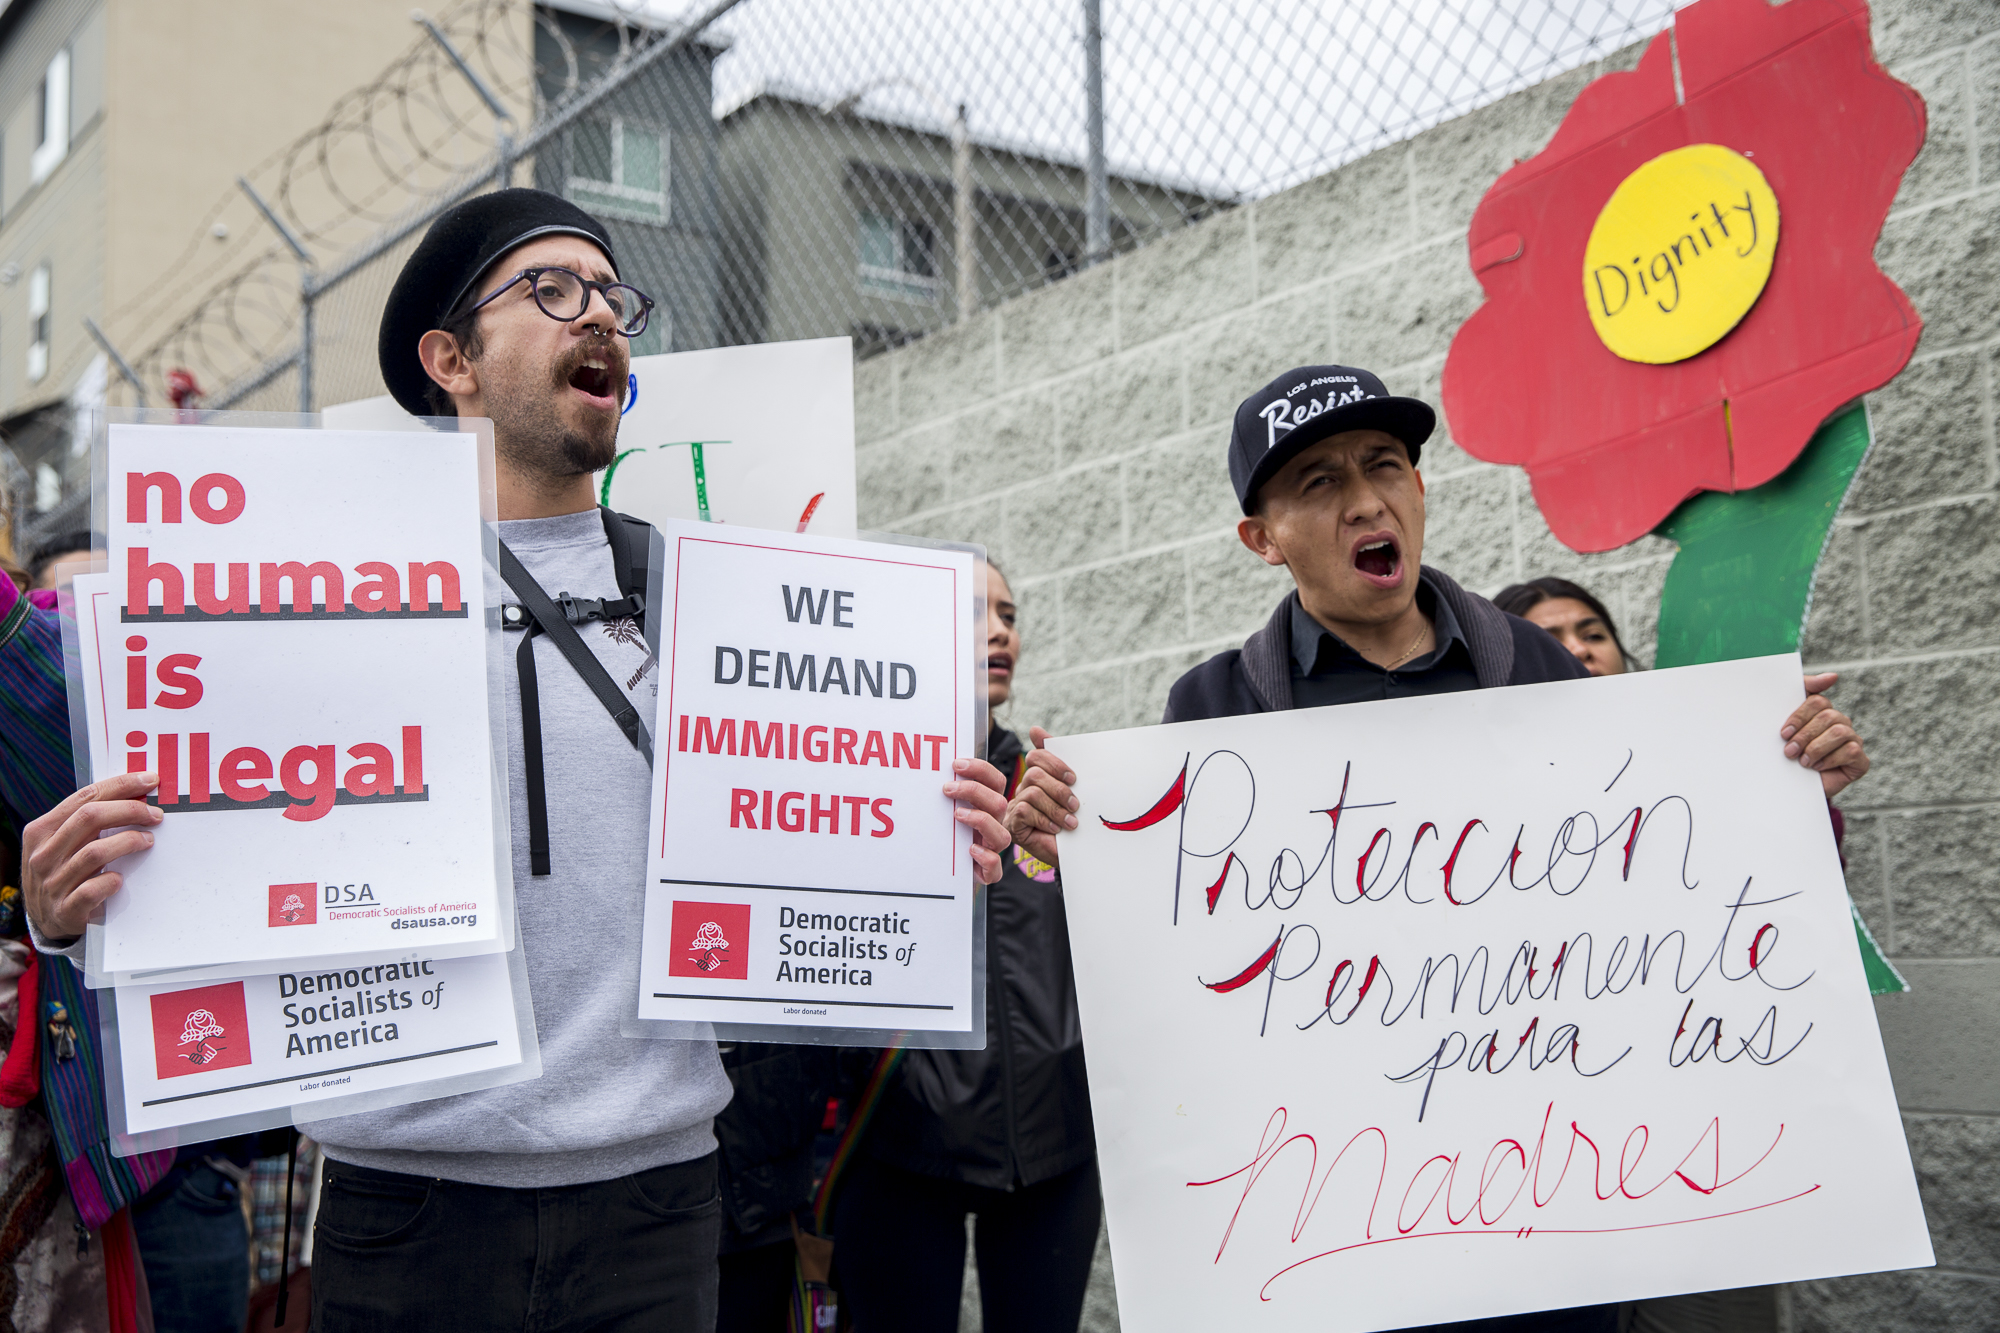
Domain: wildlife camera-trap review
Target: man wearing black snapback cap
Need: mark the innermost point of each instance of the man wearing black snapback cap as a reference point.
(1324, 462)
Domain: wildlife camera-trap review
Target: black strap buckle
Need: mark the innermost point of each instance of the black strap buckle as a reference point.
(538, 614)
(576, 610)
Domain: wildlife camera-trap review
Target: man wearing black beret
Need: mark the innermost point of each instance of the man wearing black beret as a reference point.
(1324, 462)
(585, 1198)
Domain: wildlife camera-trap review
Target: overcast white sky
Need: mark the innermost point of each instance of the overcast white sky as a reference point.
(1241, 96)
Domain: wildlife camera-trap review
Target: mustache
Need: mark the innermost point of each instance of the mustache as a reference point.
(617, 356)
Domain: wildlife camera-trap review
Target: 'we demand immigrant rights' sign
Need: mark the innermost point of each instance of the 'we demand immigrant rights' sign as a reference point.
(807, 874)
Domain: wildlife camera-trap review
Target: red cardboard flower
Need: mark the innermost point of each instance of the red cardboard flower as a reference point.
(1614, 441)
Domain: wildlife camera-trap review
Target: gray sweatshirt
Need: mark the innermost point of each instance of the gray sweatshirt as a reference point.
(605, 1105)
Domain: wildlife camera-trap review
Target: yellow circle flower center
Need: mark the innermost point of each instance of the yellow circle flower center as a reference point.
(1680, 253)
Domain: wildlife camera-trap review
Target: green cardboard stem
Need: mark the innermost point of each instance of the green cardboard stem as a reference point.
(1741, 585)
(1883, 978)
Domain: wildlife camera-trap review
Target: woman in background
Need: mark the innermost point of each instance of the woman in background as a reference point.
(1578, 621)
(1002, 1134)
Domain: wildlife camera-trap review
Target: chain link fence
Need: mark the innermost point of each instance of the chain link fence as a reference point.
(777, 169)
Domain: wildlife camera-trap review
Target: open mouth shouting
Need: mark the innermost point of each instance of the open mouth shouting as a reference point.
(597, 375)
(999, 667)
(1378, 558)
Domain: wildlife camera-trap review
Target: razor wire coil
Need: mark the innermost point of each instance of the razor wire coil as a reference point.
(843, 113)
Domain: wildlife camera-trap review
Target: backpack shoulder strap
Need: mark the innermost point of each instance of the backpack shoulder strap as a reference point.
(548, 618)
(631, 556)
(631, 543)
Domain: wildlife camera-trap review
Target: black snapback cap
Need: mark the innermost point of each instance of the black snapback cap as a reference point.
(1302, 407)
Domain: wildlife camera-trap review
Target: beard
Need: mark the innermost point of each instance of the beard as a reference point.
(528, 429)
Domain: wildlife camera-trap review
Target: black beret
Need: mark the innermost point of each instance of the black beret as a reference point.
(451, 259)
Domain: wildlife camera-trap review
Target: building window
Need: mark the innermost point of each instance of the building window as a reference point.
(48, 488)
(51, 119)
(38, 324)
(620, 169)
(898, 257)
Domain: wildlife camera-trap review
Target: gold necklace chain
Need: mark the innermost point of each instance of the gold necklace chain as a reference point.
(1422, 630)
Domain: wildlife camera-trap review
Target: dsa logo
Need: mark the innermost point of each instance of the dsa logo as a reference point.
(201, 1029)
(711, 940)
(294, 904)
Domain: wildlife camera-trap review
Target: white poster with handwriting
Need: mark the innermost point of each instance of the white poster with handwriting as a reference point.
(1427, 1010)
(293, 639)
(759, 436)
(806, 871)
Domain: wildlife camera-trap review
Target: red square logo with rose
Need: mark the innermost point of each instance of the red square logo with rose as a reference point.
(711, 940)
(197, 1030)
(294, 905)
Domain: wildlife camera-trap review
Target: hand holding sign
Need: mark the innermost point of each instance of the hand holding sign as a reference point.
(983, 789)
(1043, 805)
(65, 852)
(1823, 738)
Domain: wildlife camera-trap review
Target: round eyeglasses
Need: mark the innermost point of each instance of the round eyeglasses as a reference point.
(564, 296)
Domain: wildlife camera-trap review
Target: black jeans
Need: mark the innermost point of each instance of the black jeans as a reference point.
(899, 1250)
(756, 1291)
(396, 1252)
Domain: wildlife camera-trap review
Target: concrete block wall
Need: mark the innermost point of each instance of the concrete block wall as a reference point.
(1078, 432)
(1907, 608)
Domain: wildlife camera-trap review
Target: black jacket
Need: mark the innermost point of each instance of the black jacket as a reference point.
(1017, 1112)
(1257, 678)
(765, 1137)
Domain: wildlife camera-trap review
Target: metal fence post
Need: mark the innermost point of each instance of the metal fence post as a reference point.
(308, 289)
(967, 241)
(1097, 203)
(503, 147)
(308, 295)
(118, 361)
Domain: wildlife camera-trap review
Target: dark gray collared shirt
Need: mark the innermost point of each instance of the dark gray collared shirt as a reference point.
(1326, 671)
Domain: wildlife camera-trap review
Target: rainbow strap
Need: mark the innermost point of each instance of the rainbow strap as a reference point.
(885, 1068)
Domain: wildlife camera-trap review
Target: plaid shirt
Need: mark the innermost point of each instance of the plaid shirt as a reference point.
(36, 770)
